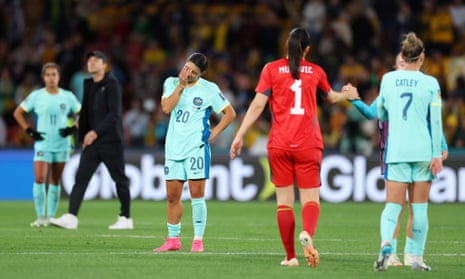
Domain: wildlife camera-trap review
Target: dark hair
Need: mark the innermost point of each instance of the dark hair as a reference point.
(411, 47)
(49, 65)
(298, 40)
(199, 60)
(98, 54)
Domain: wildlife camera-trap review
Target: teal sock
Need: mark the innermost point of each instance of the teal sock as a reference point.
(174, 230)
(39, 195)
(409, 245)
(388, 222)
(199, 217)
(394, 246)
(419, 227)
(53, 198)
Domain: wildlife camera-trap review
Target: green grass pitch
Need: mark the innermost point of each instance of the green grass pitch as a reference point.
(241, 241)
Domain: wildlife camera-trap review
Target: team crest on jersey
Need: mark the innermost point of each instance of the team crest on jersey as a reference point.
(197, 101)
(63, 107)
(167, 170)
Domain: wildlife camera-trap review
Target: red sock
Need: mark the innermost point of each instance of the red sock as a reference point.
(286, 224)
(310, 215)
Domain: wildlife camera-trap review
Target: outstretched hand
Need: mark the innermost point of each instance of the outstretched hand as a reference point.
(37, 136)
(351, 91)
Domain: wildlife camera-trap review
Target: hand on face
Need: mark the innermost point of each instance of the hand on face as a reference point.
(189, 74)
(183, 76)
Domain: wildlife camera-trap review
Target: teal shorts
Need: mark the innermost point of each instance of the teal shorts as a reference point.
(409, 172)
(51, 157)
(196, 166)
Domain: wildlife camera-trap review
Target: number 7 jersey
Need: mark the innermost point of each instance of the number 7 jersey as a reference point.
(411, 101)
(293, 104)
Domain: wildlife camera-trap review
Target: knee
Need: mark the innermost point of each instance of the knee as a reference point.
(172, 199)
(40, 179)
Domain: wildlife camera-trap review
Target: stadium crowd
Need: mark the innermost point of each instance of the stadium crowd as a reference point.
(353, 40)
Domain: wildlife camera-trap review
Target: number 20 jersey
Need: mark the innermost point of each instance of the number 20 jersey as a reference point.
(189, 125)
(293, 104)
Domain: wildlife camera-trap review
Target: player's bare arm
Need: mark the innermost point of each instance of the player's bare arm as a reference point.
(228, 118)
(168, 103)
(348, 92)
(255, 109)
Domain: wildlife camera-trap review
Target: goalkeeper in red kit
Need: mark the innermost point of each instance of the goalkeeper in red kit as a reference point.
(295, 144)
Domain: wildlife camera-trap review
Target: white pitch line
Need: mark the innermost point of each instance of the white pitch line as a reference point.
(204, 253)
(266, 239)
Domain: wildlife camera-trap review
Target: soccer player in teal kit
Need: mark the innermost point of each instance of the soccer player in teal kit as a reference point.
(52, 106)
(190, 100)
(370, 112)
(411, 101)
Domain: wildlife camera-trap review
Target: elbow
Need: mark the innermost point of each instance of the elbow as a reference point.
(233, 114)
(17, 113)
(165, 108)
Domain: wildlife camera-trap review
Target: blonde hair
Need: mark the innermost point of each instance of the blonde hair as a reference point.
(49, 65)
(411, 48)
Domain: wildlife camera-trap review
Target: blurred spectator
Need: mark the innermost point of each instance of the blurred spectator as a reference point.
(457, 12)
(236, 35)
(359, 132)
(76, 83)
(135, 123)
(313, 18)
(441, 29)
(146, 81)
(352, 71)
(458, 141)
(23, 89)
(3, 131)
(435, 65)
(7, 92)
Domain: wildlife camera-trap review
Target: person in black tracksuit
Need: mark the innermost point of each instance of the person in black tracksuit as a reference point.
(100, 130)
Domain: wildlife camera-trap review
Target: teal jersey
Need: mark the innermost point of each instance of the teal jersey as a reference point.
(52, 112)
(411, 101)
(189, 125)
(370, 112)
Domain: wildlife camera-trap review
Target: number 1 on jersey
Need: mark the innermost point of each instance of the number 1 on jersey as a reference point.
(297, 89)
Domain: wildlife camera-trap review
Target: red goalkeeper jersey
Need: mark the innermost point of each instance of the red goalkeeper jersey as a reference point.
(293, 104)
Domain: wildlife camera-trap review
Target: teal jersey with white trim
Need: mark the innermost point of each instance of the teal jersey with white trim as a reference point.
(52, 112)
(411, 101)
(189, 125)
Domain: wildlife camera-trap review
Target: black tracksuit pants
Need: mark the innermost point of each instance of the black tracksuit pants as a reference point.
(110, 154)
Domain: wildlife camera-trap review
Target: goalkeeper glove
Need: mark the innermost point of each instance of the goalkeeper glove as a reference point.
(34, 134)
(64, 132)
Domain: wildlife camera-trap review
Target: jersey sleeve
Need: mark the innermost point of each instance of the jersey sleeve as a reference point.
(219, 101)
(75, 104)
(436, 123)
(168, 86)
(444, 146)
(369, 111)
(28, 104)
(264, 82)
(380, 109)
(323, 84)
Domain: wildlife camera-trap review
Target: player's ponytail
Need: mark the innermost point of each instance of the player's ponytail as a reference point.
(296, 43)
(411, 48)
